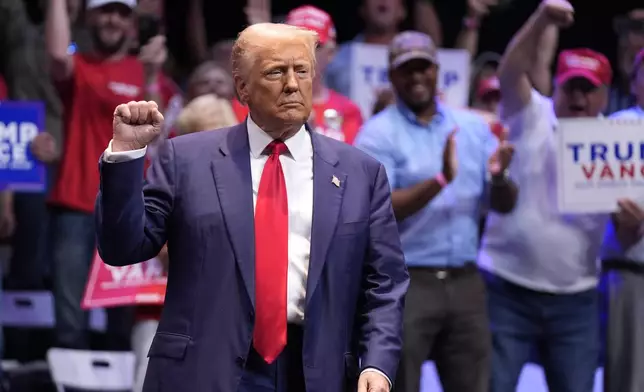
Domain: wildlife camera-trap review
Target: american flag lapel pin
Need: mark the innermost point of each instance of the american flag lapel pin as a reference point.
(335, 181)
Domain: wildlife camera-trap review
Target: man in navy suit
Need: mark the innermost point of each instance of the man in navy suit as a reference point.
(286, 271)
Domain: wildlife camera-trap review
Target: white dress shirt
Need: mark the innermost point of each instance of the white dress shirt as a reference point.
(297, 165)
(536, 246)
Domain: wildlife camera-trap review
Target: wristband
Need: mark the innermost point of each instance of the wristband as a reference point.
(440, 179)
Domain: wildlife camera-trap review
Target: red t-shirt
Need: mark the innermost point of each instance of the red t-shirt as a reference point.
(349, 117)
(96, 89)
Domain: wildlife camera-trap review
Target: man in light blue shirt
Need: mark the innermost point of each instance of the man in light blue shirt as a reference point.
(438, 161)
(623, 265)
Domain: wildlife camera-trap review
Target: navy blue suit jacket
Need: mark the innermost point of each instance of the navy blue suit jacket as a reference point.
(198, 198)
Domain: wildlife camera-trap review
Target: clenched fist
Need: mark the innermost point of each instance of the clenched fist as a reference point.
(558, 12)
(135, 125)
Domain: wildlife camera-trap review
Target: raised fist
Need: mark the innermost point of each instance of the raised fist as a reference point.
(135, 125)
(558, 12)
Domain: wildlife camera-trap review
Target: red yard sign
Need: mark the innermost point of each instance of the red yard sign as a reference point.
(138, 284)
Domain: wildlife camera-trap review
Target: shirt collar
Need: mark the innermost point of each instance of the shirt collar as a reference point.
(299, 145)
(411, 117)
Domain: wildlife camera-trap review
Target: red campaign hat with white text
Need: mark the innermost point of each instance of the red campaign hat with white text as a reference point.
(584, 63)
(314, 19)
(488, 85)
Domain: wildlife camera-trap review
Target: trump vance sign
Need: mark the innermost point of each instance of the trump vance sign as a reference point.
(599, 162)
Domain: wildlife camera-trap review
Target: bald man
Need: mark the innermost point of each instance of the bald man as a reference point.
(286, 273)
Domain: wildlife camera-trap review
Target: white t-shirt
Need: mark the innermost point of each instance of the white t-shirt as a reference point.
(535, 246)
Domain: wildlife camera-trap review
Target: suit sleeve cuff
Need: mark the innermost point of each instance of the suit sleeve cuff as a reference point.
(123, 156)
(370, 369)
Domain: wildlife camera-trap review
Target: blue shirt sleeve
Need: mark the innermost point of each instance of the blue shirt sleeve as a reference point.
(374, 139)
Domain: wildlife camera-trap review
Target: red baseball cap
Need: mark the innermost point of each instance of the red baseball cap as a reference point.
(488, 85)
(313, 18)
(584, 63)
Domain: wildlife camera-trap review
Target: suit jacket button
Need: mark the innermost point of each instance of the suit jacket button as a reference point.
(240, 361)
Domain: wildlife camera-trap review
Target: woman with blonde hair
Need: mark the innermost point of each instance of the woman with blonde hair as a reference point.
(205, 112)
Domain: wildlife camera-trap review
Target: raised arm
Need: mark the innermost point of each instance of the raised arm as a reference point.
(385, 282)
(541, 74)
(523, 53)
(57, 40)
(131, 219)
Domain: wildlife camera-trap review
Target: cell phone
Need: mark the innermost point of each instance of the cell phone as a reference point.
(149, 27)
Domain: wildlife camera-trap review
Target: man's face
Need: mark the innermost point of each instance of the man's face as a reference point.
(578, 97)
(278, 88)
(383, 14)
(211, 81)
(111, 25)
(415, 83)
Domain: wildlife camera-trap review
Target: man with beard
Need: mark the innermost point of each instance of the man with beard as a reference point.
(90, 84)
(541, 265)
(436, 201)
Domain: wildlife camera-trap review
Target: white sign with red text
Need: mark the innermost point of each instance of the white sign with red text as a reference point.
(599, 162)
(369, 73)
(136, 284)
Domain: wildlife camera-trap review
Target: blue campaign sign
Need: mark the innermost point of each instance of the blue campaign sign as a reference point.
(20, 122)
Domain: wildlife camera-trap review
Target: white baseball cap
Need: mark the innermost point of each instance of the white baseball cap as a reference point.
(91, 4)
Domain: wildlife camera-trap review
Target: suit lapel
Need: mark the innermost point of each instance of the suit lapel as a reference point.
(232, 176)
(328, 189)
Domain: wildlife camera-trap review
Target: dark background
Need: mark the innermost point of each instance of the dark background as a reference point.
(225, 18)
(593, 27)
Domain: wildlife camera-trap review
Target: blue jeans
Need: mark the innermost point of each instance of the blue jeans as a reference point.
(564, 328)
(74, 243)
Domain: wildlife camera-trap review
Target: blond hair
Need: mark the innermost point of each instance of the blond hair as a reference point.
(264, 36)
(204, 113)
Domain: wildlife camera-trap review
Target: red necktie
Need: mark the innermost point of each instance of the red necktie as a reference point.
(271, 257)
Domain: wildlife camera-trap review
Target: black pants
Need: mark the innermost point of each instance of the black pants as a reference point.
(30, 265)
(285, 374)
(446, 320)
